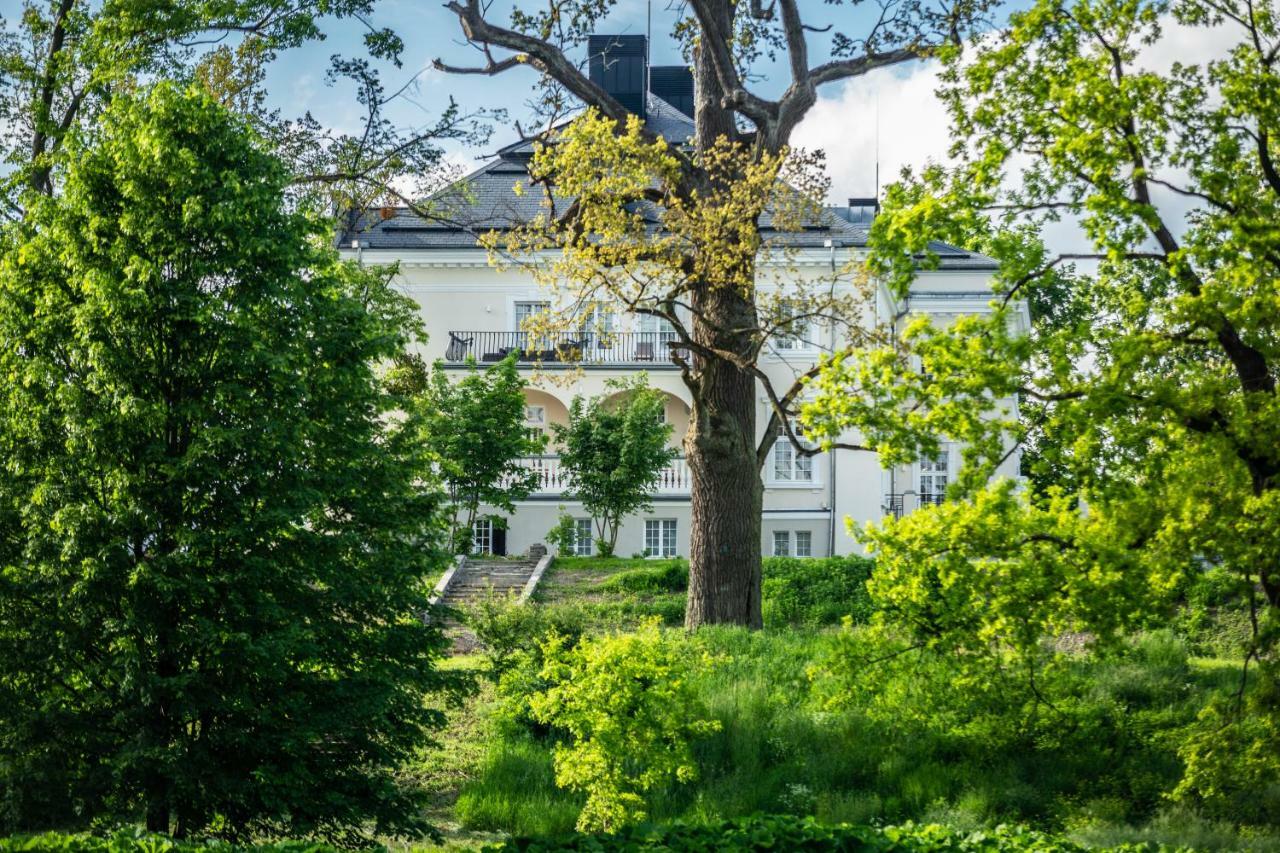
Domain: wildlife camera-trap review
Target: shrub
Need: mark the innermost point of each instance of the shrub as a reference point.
(777, 832)
(814, 592)
(631, 715)
(664, 576)
(564, 536)
(139, 842)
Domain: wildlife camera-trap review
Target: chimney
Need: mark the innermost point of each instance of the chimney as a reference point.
(619, 65)
(862, 210)
(673, 84)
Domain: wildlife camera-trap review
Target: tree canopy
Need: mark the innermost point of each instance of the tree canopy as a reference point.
(676, 229)
(62, 61)
(213, 540)
(1157, 413)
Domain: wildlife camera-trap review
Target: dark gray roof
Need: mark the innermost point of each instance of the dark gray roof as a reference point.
(487, 200)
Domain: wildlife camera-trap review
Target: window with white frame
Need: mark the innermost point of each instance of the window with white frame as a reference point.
(788, 465)
(782, 543)
(934, 473)
(793, 330)
(583, 537)
(482, 536)
(804, 543)
(535, 421)
(660, 537)
(524, 310)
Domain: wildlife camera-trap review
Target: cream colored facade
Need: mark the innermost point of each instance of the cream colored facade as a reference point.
(807, 507)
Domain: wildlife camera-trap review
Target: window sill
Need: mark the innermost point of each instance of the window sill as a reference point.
(814, 485)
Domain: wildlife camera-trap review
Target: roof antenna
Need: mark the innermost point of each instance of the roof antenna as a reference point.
(648, 51)
(877, 151)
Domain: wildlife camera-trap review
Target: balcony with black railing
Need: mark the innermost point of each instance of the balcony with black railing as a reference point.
(898, 505)
(647, 349)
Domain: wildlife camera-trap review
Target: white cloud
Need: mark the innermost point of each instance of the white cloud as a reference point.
(912, 127)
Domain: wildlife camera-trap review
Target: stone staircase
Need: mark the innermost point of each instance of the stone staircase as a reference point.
(473, 579)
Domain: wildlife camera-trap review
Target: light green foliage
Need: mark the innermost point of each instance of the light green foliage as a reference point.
(564, 536)
(1153, 373)
(613, 450)
(138, 842)
(475, 427)
(861, 727)
(628, 707)
(214, 538)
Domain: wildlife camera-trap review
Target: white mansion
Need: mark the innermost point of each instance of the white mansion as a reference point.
(475, 312)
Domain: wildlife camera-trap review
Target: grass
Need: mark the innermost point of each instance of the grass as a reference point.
(1098, 772)
(617, 593)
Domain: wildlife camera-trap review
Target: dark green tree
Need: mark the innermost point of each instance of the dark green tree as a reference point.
(213, 539)
(613, 450)
(475, 426)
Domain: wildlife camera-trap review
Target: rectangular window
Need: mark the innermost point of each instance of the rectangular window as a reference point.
(660, 537)
(804, 543)
(482, 536)
(792, 334)
(933, 477)
(535, 422)
(782, 543)
(583, 537)
(525, 310)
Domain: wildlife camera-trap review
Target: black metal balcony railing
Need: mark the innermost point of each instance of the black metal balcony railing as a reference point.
(566, 347)
(899, 505)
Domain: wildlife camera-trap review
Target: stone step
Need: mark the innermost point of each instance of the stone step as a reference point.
(476, 580)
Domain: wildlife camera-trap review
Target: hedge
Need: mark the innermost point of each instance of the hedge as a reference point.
(783, 833)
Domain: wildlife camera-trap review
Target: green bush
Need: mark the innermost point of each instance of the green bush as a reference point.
(660, 576)
(813, 592)
(777, 832)
(856, 727)
(139, 842)
(506, 629)
(630, 714)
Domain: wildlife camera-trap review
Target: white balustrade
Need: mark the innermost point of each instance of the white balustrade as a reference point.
(553, 480)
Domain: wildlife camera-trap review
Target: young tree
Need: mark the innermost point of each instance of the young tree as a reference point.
(613, 450)
(214, 539)
(698, 268)
(475, 427)
(1158, 414)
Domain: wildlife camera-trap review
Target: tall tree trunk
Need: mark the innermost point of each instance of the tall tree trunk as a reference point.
(727, 496)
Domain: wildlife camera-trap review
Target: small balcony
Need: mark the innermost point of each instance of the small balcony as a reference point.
(569, 349)
(553, 479)
(908, 502)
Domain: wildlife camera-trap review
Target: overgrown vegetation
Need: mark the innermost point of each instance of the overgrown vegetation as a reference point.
(858, 724)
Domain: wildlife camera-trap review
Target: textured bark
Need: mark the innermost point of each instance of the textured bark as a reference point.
(727, 495)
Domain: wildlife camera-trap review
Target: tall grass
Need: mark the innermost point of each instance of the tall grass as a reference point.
(916, 739)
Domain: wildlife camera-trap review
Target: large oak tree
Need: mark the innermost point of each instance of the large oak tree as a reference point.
(709, 199)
